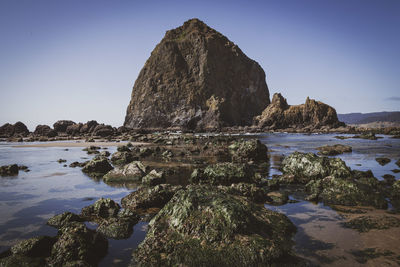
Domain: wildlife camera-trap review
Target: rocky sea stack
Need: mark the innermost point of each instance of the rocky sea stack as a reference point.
(197, 79)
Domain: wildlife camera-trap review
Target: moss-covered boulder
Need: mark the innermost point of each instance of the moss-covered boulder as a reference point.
(97, 167)
(103, 208)
(201, 226)
(348, 192)
(333, 150)
(153, 197)
(119, 227)
(122, 158)
(77, 243)
(92, 149)
(225, 173)
(131, 172)
(63, 219)
(382, 161)
(248, 150)
(367, 136)
(154, 178)
(250, 191)
(306, 166)
(16, 260)
(34, 247)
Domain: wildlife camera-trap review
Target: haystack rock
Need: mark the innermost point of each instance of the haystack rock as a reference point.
(280, 115)
(196, 78)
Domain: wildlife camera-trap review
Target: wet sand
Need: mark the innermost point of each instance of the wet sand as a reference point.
(79, 144)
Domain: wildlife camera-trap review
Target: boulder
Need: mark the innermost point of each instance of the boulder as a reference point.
(249, 191)
(74, 129)
(102, 209)
(201, 226)
(131, 172)
(88, 127)
(34, 247)
(280, 115)
(197, 78)
(382, 161)
(248, 150)
(9, 170)
(63, 219)
(225, 173)
(44, 130)
(103, 130)
(122, 158)
(307, 166)
(9, 130)
(333, 150)
(97, 167)
(149, 197)
(120, 226)
(154, 178)
(61, 126)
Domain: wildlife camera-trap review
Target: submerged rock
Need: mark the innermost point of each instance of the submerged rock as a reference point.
(132, 172)
(333, 150)
(382, 161)
(307, 166)
(77, 243)
(225, 173)
(202, 226)
(367, 223)
(153, 197)
(249, 150)
(97, 167)
(368, 136)
(197, 78)
(9, 170)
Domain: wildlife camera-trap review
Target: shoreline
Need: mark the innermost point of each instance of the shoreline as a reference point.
(80, 144)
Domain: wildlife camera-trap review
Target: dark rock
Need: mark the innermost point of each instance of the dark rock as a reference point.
(149, 197)
(367, 223)
(250, 191)
(277, 198)
(97, 167)
(396, 170)
(74, 129)
(333, 150)
(61, 126)
(154, 178)
(279, 115)
(367, 136)
(44, 130)
(398, 163)
(131, 172)
(225, 173)
(123, 148)
(77, 164)
(9, 130)
(306, 166)
(76, 243)
(382, 161)
(9, 170)
(103, 130)
(122, 158)
(61, 160)
(104, 154)
(22, 261)
(389, 179)
(23, 168)
(145, 152)
(103, 208)
(88, 127)
(34, 247)
(202, 226)
(249, 150)
(63, 219)
(92, 149)
(197, 78)
(362, 256)
(120, 227)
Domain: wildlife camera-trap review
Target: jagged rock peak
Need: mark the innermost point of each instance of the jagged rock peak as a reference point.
(312, 113)
(196, 78)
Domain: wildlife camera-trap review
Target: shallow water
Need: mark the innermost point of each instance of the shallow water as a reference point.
(29, 199)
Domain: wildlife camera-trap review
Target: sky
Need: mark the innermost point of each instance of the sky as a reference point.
(79, 59)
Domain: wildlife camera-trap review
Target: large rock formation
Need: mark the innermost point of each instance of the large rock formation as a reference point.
(279, 115)
(17, 129)
(196, 78)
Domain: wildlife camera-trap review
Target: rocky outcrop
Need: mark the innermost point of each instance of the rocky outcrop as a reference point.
(196, 78)
(280, 115)
(44, 130)
(61, 126)
(10, 130)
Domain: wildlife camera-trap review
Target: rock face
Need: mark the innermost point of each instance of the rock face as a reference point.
(279, 114)
(197, 78)
(9, 130)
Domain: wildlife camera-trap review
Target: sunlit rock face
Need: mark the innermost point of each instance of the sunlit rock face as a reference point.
(194, 79)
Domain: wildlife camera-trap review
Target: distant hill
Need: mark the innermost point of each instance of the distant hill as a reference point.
(364, 118)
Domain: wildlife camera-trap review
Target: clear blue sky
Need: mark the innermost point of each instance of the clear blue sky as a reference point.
(78, 59)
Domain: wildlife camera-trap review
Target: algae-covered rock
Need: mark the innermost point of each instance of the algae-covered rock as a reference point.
(9, 170)
(63, 219)
(119, 227)
(122, 158)
(367, 136)
(250, 191)
(306, 166)
(382, 161)
(347, 192)
(248, 150)
(225, 173)
(132, 172)
(97, 167)
(367, 223)
(154, 178)
(333, 150)
(103, 208)
(78, 243)
(22, 261)
(145, 197)
(201, 226)
(278, 198)
(34, 247)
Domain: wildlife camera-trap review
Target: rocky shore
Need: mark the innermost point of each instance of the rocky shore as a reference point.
(213, 216)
